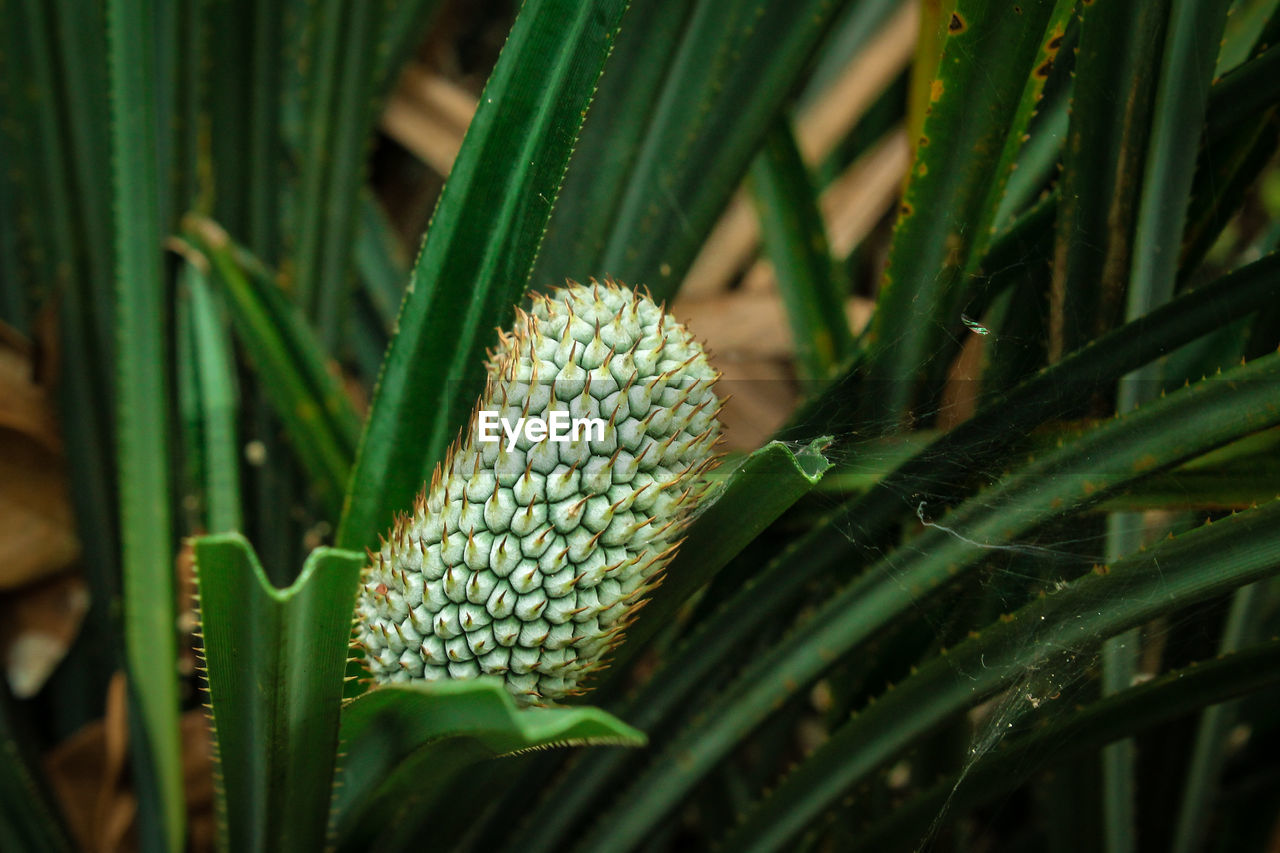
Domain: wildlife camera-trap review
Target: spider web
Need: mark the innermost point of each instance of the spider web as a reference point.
(1043, 561)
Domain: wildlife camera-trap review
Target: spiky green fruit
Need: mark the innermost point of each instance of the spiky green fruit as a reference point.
(527, 562)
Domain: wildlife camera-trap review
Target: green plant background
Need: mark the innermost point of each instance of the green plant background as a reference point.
(1039, 622)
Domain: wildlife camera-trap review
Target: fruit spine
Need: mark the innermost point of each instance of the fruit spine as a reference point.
(526, 558)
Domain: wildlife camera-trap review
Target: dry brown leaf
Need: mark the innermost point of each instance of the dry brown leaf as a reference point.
(437, 94)
(960, 394)
(37, 533)
(41, 604)
(88, 772)
(738, 325)
(762, 394)
(187, 617)
(38, 624)
(428, 115)
(733, 242)
(820, 127)
(864, 192)
(726, 252)
(749, 340)
(427, 137)
(854, 202)
(752, 324)
(24, 403)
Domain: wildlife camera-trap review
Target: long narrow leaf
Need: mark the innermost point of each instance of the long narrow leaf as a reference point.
(753, 496)
(796, 242)
(321, 422)
(737, 62)
(324, 61)
(762, 487)
(47, 221)
(142, 420)
(1210, 750)
(1229, 166)
(1167, 697)
(1190, 568)
(1244, 93)
(990, 76)
(1186, 70)
(380, 261)
(265, 143)
(78, 31)
(1038, 161)
(1178, 427)
(607, 149)
(1195, 30)
(29, 817)
(1111, 103)
(1070, 383)
(275, 661)
(826, 547)
(354, 47)
(217, 404)
(479, 251)
(406, 744)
